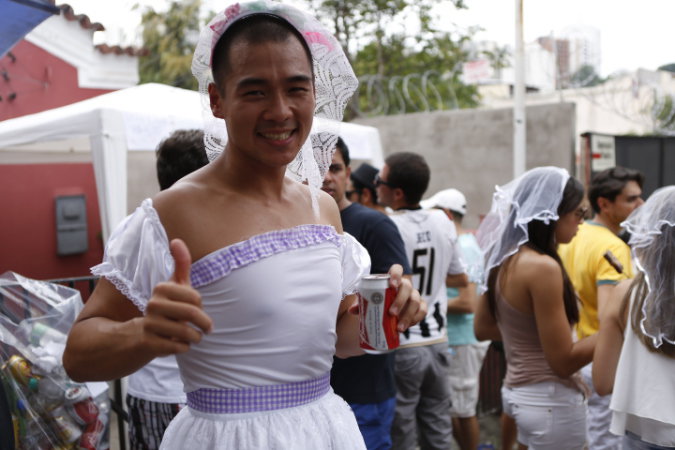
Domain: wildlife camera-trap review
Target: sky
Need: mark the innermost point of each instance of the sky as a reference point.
(633, 34)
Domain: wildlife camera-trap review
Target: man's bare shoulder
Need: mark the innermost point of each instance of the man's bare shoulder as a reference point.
(183, 193)
(329, 214)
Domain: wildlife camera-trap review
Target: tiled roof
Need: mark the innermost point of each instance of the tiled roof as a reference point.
(86, 23)
(116, 49)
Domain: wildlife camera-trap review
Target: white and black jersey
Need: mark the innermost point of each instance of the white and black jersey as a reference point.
(430, 240)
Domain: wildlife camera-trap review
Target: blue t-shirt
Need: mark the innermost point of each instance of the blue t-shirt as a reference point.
(370, 378)
(460, 326)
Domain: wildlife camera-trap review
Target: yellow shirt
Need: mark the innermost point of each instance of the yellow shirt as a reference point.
(587, 268)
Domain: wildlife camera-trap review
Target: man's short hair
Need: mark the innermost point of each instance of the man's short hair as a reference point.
(610, 182)
(178, 155)
(409, 172)
(254, 29)
(344, 151)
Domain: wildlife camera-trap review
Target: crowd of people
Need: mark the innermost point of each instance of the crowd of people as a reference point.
(230, 297)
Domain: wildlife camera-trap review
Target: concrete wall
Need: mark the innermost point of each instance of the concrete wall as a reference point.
(472, 150)
(141, 178)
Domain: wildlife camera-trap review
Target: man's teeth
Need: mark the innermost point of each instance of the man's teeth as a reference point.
(277, 136)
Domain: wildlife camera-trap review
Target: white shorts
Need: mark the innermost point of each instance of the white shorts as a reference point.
(549, 415)
(465, 366)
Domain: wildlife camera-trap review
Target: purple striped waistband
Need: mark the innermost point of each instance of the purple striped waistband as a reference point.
(259, 398)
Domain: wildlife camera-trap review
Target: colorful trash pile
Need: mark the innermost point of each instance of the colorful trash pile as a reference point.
(48, 410)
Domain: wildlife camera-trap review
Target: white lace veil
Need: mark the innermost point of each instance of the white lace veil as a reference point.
(652, 241)
(334, 83)
(535, 195)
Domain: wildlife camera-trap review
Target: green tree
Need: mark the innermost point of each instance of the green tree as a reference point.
(499, 57)
(419, 78)
(399, 72)
(358, 20)
(169, 39)
(585, 76)
(667, 67)
(663, 113)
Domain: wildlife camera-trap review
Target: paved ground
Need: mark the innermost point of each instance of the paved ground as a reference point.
(489, 430)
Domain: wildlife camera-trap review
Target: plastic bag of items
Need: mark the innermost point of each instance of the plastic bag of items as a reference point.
(48, 410)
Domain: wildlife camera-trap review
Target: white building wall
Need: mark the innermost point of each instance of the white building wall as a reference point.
(619, 106)
(70, 42)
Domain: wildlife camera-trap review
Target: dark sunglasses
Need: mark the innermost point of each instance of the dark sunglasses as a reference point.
(379, 181)
(581, 212)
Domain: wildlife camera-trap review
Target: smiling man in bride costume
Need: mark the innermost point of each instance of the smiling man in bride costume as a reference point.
(240, 269)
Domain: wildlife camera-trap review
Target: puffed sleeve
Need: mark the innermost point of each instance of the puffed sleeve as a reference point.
(137, 255)
(355, 264)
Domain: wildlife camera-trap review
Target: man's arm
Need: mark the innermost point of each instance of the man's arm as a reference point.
(457, 280)
(111, 338)
(611, 270)
(347, 329)
(456, 274)
(465, 302)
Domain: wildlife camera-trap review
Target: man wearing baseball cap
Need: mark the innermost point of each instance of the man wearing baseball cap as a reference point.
(363, 184)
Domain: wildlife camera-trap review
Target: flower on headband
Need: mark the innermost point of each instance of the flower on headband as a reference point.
(231, 13)
(314, 37)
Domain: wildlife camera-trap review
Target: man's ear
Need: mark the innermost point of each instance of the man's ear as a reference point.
(399, 195)
(366, 197)
(603, 203)
(216, 100)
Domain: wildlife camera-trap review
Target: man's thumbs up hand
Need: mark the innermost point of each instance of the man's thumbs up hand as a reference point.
(183, 261)
(174, 316)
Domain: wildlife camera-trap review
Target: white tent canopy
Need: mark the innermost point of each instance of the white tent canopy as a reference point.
(132, 119)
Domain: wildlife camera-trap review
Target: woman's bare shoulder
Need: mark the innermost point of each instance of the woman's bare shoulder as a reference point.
(537, 266)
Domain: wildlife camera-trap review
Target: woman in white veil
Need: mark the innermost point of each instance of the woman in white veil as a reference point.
(635, 356)
(530, 305)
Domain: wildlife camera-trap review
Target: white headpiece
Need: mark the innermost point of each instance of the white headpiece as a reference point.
(652, 229)
(535, 195)
(334, 83)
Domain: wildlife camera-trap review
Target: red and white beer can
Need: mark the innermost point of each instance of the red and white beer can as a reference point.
(377, 328)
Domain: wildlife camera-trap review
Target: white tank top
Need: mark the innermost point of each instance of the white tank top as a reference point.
(643, 399)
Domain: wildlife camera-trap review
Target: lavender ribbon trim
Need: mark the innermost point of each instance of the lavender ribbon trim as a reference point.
(259, 398)
(221, 262)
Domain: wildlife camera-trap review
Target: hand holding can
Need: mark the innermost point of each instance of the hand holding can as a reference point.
(377, 327)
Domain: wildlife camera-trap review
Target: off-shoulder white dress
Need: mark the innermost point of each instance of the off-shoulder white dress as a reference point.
(260, 379)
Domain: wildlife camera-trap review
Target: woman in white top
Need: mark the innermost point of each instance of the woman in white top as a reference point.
(241, 268)
(635, 356)
(530, 305)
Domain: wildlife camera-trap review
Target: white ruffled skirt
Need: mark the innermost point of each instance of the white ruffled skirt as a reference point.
(326, 423)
